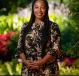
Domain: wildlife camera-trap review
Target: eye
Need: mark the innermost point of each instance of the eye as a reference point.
(36, 7)
(43, 7)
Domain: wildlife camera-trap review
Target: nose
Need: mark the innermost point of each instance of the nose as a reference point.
(40, 10)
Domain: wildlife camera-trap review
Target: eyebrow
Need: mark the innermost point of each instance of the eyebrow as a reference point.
(42, 5)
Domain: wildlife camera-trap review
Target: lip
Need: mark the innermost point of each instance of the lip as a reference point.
(39, 14)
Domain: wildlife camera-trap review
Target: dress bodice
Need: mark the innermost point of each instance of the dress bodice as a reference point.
(33, 41)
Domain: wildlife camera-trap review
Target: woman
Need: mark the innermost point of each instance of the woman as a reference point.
(39, 43)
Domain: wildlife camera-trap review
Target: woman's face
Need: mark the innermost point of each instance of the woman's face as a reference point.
(39, 10)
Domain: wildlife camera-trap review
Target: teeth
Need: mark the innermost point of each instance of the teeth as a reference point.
(39, 13)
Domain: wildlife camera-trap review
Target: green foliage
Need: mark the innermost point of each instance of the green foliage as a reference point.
(73, 26)
(70, 40)
(10, 68)
(12, 47)
(72, 70)
(11, 23)
(10, 6)
(14, 68)
(69, 71)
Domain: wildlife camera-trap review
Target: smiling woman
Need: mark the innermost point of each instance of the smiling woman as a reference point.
(39, 43)
(39, 10)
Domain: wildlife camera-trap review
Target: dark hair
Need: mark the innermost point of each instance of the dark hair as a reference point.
(46, 18)
(46, 30)
(32, 19)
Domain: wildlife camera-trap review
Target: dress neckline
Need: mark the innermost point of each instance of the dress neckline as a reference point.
(36, 25)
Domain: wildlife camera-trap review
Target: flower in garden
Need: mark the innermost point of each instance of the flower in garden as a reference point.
(4, 42)
(69, 61)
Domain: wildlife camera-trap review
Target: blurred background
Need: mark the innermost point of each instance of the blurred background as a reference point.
(13, 14)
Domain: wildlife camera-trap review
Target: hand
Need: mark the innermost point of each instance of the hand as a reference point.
(28, 62)
(32, 65)
(35, 65)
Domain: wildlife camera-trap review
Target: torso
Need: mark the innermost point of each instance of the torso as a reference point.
(34, 50)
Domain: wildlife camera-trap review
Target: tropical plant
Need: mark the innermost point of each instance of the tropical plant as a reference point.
(14, 68)
(70, 36)
(10, 68)
(9, 30)
(11, 6)
(11, 23)
(6, 50)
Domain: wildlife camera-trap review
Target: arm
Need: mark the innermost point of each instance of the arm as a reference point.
(21, 44)
(44, 60)
(55, 42)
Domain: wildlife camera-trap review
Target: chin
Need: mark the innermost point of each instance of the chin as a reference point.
(40, 18)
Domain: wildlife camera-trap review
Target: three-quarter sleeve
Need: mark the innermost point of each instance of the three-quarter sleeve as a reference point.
(54, 42)
(21, 41)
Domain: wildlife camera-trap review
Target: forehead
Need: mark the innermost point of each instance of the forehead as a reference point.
(40, 2)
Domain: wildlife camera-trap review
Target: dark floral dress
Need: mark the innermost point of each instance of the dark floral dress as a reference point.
(32, 47)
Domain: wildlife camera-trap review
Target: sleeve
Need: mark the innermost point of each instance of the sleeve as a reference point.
(21, 41)
(54, 43)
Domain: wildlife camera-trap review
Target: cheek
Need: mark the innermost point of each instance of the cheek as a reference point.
(35, 11)
(44, 11)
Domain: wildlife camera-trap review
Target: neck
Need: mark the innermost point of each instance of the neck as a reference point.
(38, 21)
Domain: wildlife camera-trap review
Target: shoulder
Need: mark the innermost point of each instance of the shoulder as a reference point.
(24, 26)
(54, 26)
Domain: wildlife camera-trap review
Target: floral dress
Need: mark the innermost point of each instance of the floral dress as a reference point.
(32, 46)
